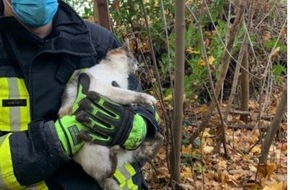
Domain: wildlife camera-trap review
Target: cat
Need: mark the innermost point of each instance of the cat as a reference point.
(115, 68)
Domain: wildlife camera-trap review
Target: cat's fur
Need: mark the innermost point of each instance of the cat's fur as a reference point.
(99, 161)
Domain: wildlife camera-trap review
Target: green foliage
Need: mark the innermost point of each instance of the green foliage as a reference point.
(128, 19)
(278, 71)
(83, 7)
(275, 42)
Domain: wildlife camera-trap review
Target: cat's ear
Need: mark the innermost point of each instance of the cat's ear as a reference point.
(126, 45)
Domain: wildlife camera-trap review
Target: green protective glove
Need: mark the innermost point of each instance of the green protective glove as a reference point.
(68, 127)
(113, 123)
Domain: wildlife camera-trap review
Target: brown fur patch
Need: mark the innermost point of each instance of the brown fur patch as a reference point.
(116, 51)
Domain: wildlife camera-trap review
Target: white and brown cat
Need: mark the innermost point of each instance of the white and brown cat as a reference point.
(99, 161)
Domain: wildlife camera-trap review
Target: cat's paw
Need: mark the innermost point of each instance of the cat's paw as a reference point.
(65, 110)
(148, 99)
(150, 147)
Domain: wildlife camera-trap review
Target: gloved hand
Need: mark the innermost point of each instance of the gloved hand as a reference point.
(110, 123)
(68, 127)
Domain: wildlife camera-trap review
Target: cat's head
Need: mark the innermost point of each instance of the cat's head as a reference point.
(123, 57)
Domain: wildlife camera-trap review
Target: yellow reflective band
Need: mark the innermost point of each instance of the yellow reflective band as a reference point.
(124, 177)
(130, 185)
(130, 169)
(7, 177)
(119, 176)
(15, 105)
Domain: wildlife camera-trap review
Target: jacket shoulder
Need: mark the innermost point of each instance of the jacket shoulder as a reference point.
(102, 39)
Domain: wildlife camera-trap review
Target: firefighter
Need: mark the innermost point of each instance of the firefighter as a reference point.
(42, 43)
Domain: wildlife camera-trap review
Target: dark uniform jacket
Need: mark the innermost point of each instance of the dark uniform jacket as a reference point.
(33, 75)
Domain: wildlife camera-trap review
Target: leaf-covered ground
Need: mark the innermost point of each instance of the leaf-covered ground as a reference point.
(203, 168)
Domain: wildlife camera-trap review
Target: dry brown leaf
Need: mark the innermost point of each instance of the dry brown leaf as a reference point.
(275, 52)
(186, 173)
(276, 186)
(284, 147)
(187, 187)
(251, 186)
(266, 169)
(222, 164)
(266, 36)
(208, 149)
(162, 172)
(253, 105)
(223, 177)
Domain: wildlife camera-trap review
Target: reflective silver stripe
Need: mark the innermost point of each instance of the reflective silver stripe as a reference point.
(125, 173)
(123, 176)
(14, 111)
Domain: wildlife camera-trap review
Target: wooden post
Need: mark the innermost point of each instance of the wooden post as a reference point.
(101, 13)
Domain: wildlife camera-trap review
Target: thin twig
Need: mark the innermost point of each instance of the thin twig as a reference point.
(166, 114)
(204, 54)
(225, 46)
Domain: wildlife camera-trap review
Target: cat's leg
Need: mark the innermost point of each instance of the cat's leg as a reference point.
(68, 99)
(111, 184)
(150, 147)
(95, 161)
(124, 96)
(114, 150)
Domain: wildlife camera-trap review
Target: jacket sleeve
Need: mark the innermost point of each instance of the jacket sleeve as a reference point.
(31, 156)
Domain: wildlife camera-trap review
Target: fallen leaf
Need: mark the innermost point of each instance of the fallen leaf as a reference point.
(284, 147)
(190, 50)
(251, 186)
(266, 36)
(186, 187)
(266, 169)
(202, 62)
(275, 52)
(208, 149)
(276, 186)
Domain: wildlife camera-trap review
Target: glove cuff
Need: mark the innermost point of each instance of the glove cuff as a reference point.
(137, 133)
(67, 129)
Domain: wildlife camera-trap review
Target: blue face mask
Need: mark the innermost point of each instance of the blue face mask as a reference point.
(34, 13)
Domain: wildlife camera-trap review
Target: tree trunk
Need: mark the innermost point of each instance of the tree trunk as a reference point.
(101, 13)
(245, 66)
(274, 126)
(245, 85)
(178, 93)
